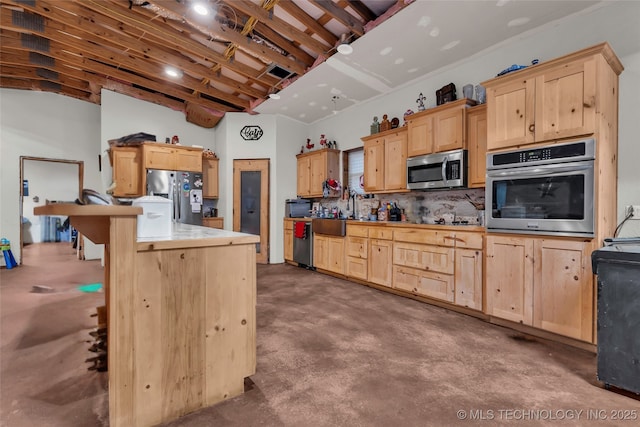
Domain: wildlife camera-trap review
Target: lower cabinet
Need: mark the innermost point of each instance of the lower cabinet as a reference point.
(468, 278)
(328, 253)
(288, 240)
(545, 283)
(422, 282)
(357, 252)
(380, 261)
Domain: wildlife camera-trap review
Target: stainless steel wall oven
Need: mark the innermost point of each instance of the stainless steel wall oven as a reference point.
(542, 190)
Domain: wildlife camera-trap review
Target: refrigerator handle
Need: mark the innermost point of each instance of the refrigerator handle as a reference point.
(176, 195)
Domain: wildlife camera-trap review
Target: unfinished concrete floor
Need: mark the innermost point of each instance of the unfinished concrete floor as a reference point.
(330, 353)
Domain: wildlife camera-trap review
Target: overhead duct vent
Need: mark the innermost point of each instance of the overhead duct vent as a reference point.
(30, 21)
(40, 59)
(34, 42)
(47, 74)
(279, 72)
(50, 85)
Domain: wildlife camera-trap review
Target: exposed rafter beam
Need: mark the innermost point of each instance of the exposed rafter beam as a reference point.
(341, 16)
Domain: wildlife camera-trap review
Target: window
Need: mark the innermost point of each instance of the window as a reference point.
(354, 169)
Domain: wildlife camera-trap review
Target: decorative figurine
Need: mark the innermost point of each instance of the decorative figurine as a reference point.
(385, 124)
(420, 101)
(309, 144)
(395, 122)
(406, 114)
(375, 126)
(302, 149)
(323, 140)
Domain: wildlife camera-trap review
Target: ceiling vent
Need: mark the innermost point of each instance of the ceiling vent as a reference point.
(43, 60)
(30, 21)
(31, 41)
(279, 72)
(47, 74)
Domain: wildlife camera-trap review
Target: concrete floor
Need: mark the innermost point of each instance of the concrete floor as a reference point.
(330, 353)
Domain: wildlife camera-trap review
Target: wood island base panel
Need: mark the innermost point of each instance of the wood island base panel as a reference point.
(180, 313)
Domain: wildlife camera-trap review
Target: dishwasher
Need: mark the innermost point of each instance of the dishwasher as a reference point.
(303, 243)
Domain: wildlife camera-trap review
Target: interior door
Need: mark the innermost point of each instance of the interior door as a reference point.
(251, 202)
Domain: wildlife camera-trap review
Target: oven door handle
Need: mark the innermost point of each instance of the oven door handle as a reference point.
(545, 170)
(444, 169)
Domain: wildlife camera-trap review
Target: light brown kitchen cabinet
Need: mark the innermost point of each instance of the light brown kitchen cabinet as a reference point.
(380, 269)
(213, 222)
(422, 282)
(557, 99)
(357, 251)
(385, 162)
(127, 171)
(328, 253)
(438, 129)
(314, 168)
(288, 240)
(172, 157)
(321, 251)
(210, 188)
(477, 145)
(468, 278)
(545, 283)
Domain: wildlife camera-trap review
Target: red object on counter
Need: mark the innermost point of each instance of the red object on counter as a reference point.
(300, 230)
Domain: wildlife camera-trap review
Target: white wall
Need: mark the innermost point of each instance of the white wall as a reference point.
(40, 124)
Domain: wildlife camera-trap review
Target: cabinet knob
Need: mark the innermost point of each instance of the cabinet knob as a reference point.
(532, 127)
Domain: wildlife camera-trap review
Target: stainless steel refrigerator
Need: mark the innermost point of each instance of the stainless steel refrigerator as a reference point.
(184, 189)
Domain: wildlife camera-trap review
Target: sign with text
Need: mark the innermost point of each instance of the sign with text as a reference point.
(251, 133)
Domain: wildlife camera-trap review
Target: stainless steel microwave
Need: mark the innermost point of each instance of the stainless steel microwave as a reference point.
(437, 170)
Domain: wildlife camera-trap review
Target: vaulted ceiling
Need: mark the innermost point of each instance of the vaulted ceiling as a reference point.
(229, 59)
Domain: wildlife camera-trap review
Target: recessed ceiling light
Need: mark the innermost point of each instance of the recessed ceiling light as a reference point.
(200, 9)
(399, 61)
(345, 49)
(274, 95)
(435, 32)
(518, 21)
(173, 72)
(387, 50)
(424, 21)
(450, 45)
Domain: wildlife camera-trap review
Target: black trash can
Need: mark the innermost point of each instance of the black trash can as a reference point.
(618, 270)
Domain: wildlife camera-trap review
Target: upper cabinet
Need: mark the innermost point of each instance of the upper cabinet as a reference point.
(127, 167)
(172, 157)
(438, 129)
(314, 168)
(477, 145)
(553, 100)
(210, 178)
(385, 161)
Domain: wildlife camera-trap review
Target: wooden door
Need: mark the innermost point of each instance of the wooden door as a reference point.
(318, 173)
(448, 131)
(562, 288)
(320, 251)
(420, 138)
(395, 161)
(335, 255)
(251, 202)
(304, 174)
(127, 171)
(509, 278)
(210, 178)
(510, 114)
(566, 101)
(380, 262)
(468, 278)
(477, 144)
(374, 165)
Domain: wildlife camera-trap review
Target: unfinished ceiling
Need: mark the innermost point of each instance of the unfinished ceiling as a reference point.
(227, 56)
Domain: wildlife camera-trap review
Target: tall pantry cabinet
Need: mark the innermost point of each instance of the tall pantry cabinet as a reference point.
(545, 281)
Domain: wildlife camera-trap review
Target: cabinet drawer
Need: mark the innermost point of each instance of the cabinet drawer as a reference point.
(469, 240)
(429, 237)
(357, 230)
(424, 257)
(357, 247)
(382, 233)
(217, 222)
(357, 268)
(189, 160)
(420, 282)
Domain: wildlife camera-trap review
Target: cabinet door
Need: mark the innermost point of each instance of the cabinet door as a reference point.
(426, 257)
(420, 138)
(320, 252)
(468, 278)
(395, 159)
(565, 101)
(420, 282)
(510, 114)
(380, 261)
(188, 159)
(210, 177)
(304, 173)
(159, 157)
(374, 165)
(318, 173)
(127, 171)
(335, 255)
(357, 246)
(448, 130)
(357, 268)
(509, 278)
(562, 288)
(288, 245)
(477, 144)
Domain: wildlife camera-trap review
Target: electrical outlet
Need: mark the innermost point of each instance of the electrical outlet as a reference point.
(634, 209)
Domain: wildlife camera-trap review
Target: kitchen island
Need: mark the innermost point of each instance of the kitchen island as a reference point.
(180, 313)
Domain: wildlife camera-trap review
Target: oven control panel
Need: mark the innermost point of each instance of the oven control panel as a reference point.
(559, 153)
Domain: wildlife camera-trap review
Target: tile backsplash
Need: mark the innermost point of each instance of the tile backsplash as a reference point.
(420, 207)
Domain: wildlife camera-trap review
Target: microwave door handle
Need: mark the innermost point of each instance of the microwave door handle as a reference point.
(540, 171)
(444, 169)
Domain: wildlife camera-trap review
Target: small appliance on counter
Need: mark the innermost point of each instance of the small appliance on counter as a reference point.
(155, 220)
(297, 208)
